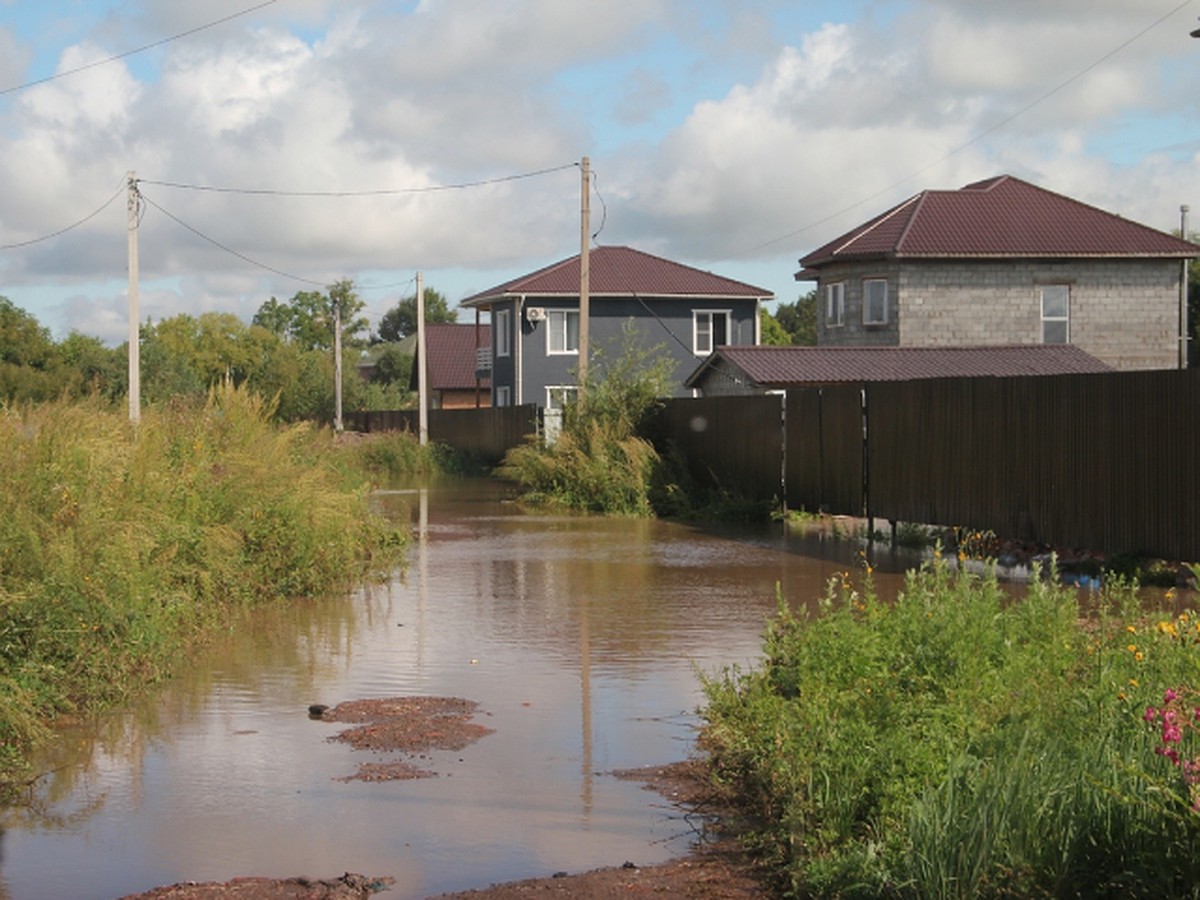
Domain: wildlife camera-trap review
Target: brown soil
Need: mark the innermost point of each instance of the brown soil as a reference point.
(717, 869)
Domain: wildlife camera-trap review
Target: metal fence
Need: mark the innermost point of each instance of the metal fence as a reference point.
(487, 433)
(1107, 462)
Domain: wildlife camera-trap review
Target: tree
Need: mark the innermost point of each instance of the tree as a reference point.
(799, 319)
(23, 340)
(773, 334)
(307, 319)
(401, 320)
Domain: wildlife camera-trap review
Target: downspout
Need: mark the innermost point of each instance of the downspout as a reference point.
(758, 310)
(518, 341)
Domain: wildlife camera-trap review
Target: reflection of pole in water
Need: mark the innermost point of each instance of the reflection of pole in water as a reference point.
(422, 581)
(585, 699)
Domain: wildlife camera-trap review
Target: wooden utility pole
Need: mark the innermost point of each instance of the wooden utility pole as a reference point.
(585, 274)
(135, 362)
(422, 366)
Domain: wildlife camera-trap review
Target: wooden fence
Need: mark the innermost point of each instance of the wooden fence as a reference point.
(486, 433)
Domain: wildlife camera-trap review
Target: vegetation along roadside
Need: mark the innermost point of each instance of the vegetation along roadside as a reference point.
(122, 546)
(958, 743)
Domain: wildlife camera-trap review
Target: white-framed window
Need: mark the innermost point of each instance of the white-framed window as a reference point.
(503, 332)
(710, 329)
(875, 301)
(1056, 313)
(559, 397)
(562, 331)
(504, 396)
(835, 304)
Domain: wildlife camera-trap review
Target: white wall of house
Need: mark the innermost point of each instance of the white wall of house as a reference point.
(1124, 312)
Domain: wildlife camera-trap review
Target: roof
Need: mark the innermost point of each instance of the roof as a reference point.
(778, 367)
(450, 355)
(1002, 217)
(620, 272)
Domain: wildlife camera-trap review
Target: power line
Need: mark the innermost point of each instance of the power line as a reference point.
(63, 231)
(379, 192)
(977, 138)
(135, 51)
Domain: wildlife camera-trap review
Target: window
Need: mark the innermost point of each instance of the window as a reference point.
(503, 332)
(1056, 313)
(562, 331)
(503, 396)
(559, 398)
(709, 330)
(875, 301)
(835, 304)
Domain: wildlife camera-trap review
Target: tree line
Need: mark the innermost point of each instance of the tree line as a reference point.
(285, 352)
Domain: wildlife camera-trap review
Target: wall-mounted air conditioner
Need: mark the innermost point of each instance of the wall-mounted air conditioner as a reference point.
(535, 313)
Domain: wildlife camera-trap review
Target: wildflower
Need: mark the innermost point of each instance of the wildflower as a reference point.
(1138, 657)
(1169, 695)
(1132, 629)
(1150, 716)
(1132, 648)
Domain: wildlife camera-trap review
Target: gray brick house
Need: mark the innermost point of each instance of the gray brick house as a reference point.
(684, 312)
(1002, 261)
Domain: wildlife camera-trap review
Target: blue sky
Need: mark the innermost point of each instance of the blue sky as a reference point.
(734, 136)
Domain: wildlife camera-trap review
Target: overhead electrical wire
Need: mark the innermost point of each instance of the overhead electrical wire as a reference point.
(62, 231)
(1041, 98)
(111, 59)
(377, 192)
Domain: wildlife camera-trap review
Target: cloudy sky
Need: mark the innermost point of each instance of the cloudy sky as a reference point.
(370, 139)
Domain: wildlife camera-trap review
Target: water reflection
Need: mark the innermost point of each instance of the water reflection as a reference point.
(579, 637)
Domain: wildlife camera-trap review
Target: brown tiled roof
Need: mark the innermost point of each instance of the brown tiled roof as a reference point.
(451, 355)
(1002, 217)
(777, 367)
(621, 272)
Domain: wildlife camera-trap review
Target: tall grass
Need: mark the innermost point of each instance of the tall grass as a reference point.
(121, 546)
(956, 744)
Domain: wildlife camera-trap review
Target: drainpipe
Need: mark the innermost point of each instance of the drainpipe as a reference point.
(517, 349)
(1183, 293)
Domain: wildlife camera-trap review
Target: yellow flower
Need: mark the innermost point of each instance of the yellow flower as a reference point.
(1132, 629)
(1132, 648)
(1138, 656)
(1133, 682)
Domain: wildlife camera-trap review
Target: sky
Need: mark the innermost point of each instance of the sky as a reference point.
(282, 145)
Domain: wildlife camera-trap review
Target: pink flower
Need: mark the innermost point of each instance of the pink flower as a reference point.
(1151, 715)
(1169, 695)
(1171, 733)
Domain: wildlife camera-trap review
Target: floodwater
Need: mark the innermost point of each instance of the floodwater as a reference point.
(580, 637)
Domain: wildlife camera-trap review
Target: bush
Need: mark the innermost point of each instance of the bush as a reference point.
(958, 744)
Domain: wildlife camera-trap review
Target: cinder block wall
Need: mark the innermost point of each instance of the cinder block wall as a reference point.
(1125, 312)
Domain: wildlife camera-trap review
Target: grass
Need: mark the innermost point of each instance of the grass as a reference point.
(122, 547)
(958, 744)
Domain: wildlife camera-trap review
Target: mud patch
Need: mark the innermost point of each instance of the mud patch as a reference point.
(412, 726)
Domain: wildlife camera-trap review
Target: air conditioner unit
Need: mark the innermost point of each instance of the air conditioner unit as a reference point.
(535, 313)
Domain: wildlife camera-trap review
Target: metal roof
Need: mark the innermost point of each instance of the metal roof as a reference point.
(1002, 217)
(450, 355)
(620, 272)
(778, 367)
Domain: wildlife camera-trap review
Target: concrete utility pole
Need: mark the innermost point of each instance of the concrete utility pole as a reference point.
(135, 362)
(585, 275)
(422, 366)
(336, 298)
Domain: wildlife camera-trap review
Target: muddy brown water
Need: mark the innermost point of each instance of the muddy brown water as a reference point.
(579, 637)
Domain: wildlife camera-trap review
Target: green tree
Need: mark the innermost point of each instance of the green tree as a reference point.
(93, 367)
(773, 334)
(307, 319)
(23, 340)
(401, 320)
(799, 319)
(392, 366)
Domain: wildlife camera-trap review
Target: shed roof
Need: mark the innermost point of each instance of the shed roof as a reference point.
(788, 366)
(1001, 217)
(450, 355)
(620, 272)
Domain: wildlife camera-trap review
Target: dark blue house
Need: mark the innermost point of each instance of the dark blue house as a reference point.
(682, 312)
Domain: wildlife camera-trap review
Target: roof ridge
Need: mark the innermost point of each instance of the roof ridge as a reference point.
(867, 229)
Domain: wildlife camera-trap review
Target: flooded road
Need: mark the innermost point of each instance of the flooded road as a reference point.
(579, 637)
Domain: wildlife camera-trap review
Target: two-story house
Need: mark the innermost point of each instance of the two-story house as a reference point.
(676, 310)
(1002, 261)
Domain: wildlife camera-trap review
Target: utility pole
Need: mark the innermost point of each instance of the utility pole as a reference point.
(335, 297)
(422, 367)
(585, 274)
(135, 362)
